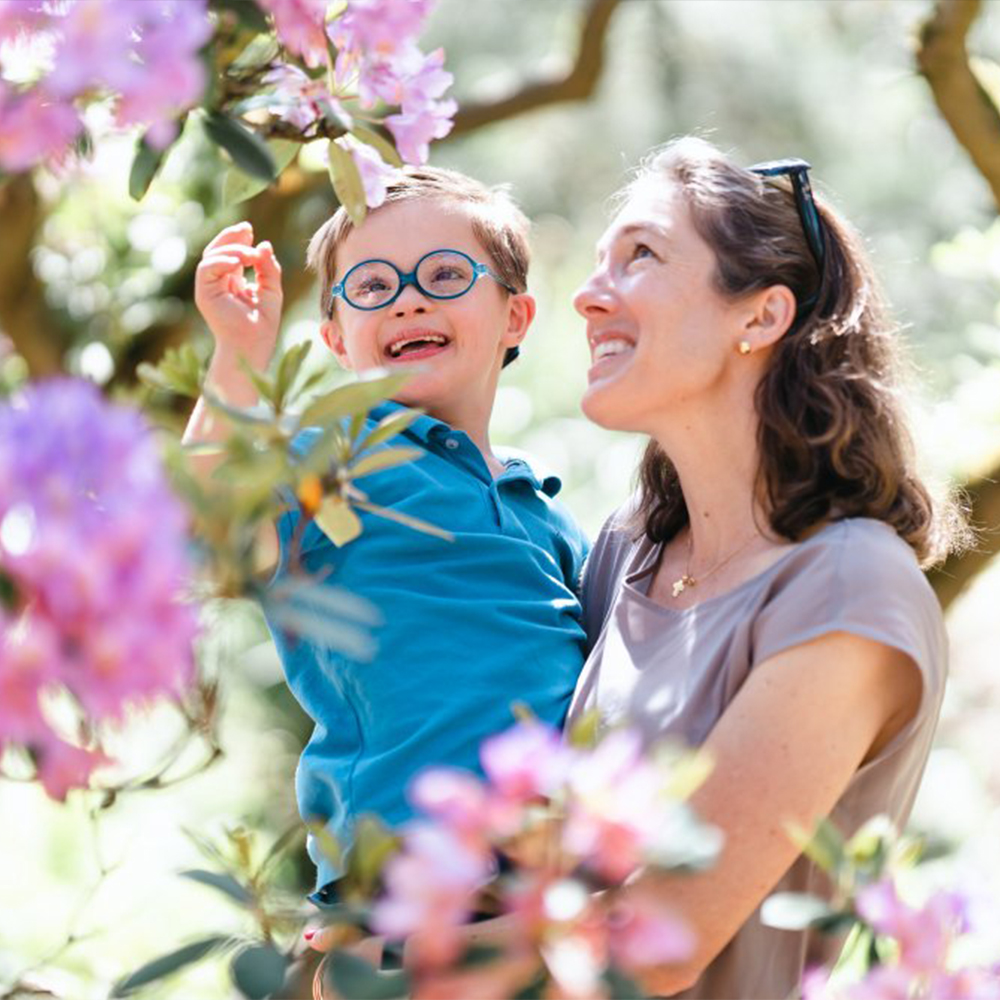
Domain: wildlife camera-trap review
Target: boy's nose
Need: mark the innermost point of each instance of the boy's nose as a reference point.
(411, 300)
(594, 296)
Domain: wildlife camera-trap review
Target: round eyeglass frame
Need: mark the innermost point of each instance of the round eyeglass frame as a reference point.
(410, 278)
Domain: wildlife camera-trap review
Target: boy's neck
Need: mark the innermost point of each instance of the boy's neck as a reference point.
(475, 422)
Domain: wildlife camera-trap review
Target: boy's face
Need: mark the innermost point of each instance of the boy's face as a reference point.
(456, 380)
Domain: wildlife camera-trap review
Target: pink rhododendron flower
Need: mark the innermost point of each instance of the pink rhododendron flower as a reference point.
(34, 127)
(924, 935)
(375, 173)
(431, 886)
(378, 26)
(618, 807)
(301, 27)
(414, 132)
(298, 98)
(527, 761)
(145, 53)
(62, 766)
(643, 933)
(95, 544)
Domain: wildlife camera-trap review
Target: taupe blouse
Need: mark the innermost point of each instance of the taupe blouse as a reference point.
(674, 672)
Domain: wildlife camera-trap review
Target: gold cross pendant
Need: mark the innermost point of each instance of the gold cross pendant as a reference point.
(679, 586)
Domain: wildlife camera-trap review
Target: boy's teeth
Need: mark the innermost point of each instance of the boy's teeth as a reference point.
(606, 348)
(396, 348)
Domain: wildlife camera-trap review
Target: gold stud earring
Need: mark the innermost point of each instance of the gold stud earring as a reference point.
(744, 347)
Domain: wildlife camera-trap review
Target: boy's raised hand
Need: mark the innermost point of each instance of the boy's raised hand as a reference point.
(244, 317)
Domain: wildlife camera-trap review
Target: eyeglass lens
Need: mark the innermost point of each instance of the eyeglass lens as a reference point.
(441, 275)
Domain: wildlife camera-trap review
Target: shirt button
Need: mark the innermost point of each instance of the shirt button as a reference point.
(451, 443)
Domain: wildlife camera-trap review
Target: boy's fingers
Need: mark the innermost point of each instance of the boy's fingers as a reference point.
(219, 266)
(251, 255)
(268, 269)
(242, 232)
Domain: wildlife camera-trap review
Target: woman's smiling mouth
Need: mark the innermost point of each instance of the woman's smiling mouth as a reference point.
(607, 351)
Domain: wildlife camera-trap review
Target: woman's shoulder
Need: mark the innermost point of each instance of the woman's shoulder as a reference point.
(867, 552)
(856, 575)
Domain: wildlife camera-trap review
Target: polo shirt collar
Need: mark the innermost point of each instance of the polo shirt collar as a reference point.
(427, 429)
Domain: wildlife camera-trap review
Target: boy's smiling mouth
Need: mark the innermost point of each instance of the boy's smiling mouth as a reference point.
(415, 345)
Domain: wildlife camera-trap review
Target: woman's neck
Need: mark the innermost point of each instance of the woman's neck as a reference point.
(714, 451)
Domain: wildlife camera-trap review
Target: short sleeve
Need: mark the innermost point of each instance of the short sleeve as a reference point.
(858, 577)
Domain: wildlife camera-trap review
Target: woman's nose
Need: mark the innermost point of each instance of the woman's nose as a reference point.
(594, 296)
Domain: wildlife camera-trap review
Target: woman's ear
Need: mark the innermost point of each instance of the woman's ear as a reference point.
(771, 313)
(333, 337)
(520, 313)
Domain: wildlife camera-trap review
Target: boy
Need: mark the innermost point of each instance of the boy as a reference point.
(435, 277)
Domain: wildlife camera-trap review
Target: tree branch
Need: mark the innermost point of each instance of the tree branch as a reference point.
(24, 316)
(951, 578)
(967, 108)
(576, 85)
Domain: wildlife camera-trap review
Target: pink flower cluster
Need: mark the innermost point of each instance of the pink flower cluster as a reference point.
(95, 546)
(377, 61)
(145, 52)
(922, 966)
(562, 817)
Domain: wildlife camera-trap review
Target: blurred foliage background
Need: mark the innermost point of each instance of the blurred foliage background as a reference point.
(94, 283)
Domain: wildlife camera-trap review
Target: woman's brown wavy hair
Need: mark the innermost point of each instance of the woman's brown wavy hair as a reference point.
(833, 439)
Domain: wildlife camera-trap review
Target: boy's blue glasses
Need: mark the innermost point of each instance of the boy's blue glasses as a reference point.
(440, 274)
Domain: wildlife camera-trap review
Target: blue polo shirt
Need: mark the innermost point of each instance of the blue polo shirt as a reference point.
(469, 626)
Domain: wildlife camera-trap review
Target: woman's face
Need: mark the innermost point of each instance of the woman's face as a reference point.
(660, 334)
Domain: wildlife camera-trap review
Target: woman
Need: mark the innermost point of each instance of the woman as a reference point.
(762, 595)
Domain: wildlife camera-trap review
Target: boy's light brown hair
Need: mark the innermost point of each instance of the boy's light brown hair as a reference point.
(497, 222)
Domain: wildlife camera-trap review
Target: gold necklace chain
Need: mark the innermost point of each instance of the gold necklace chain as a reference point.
(686, 580)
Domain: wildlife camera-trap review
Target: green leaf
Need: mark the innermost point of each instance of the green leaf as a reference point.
(249, 13)
(621, 986)
(347, 182)
(145, 164)
(350, 976)
(288, 369)
(262, 49)
(259, 971)
(165, 965)
(388, 427)
(387, 458)
(386, 149)
(179, 372)
(247, 149)
(238, 186)
(824, 846)
(353, 399)
(226, 884)
(374, 843)
(794, 911)
(338, 521)
(584, 731)
(400, 518)
(477, 955)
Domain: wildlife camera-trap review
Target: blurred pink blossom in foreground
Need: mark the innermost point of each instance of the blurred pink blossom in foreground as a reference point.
(145, 54)
(95, 545)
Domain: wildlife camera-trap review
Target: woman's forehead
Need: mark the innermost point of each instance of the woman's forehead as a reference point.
(657, 209)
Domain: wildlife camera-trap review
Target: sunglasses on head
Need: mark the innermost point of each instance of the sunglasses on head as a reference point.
(798, 173)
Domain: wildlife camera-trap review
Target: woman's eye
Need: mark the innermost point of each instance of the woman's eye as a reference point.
(641, 250)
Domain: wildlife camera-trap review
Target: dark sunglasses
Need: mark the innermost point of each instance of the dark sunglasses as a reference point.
(798, 172)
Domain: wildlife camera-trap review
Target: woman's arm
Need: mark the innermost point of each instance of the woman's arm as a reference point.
(784, 750)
